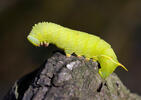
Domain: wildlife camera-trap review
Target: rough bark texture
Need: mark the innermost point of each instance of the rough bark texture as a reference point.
(62, 78)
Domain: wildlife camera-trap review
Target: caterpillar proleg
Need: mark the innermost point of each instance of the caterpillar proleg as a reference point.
(80, 43)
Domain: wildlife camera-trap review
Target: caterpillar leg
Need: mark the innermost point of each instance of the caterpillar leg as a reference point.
(87, 59)
(44, 43)
(95, 58)
(68, 53)
(79, 56)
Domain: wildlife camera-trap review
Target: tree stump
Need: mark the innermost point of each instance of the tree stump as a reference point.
(73, 78)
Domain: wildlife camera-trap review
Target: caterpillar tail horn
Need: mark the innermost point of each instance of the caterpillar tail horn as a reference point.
(123, 66)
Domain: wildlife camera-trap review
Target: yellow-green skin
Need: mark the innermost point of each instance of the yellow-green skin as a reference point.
(77, 42)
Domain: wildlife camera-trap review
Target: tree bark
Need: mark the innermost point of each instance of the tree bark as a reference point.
(73, 78)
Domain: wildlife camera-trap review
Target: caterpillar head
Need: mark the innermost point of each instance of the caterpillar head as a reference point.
(33, 40)
(36, 41)
(38, 35)
(108, 65)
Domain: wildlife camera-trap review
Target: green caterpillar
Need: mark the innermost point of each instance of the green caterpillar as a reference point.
(77, 42)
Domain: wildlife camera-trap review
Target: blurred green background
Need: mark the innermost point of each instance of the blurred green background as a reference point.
(116, 21)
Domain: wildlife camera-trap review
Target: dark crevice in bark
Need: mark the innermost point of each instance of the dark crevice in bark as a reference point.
(100, 87)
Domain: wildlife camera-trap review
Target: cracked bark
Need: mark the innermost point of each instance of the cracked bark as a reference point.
(62, 78)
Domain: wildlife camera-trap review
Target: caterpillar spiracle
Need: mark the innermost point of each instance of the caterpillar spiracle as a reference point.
(80, 43)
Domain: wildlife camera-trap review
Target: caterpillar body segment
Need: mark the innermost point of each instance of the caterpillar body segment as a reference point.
(77, 42)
